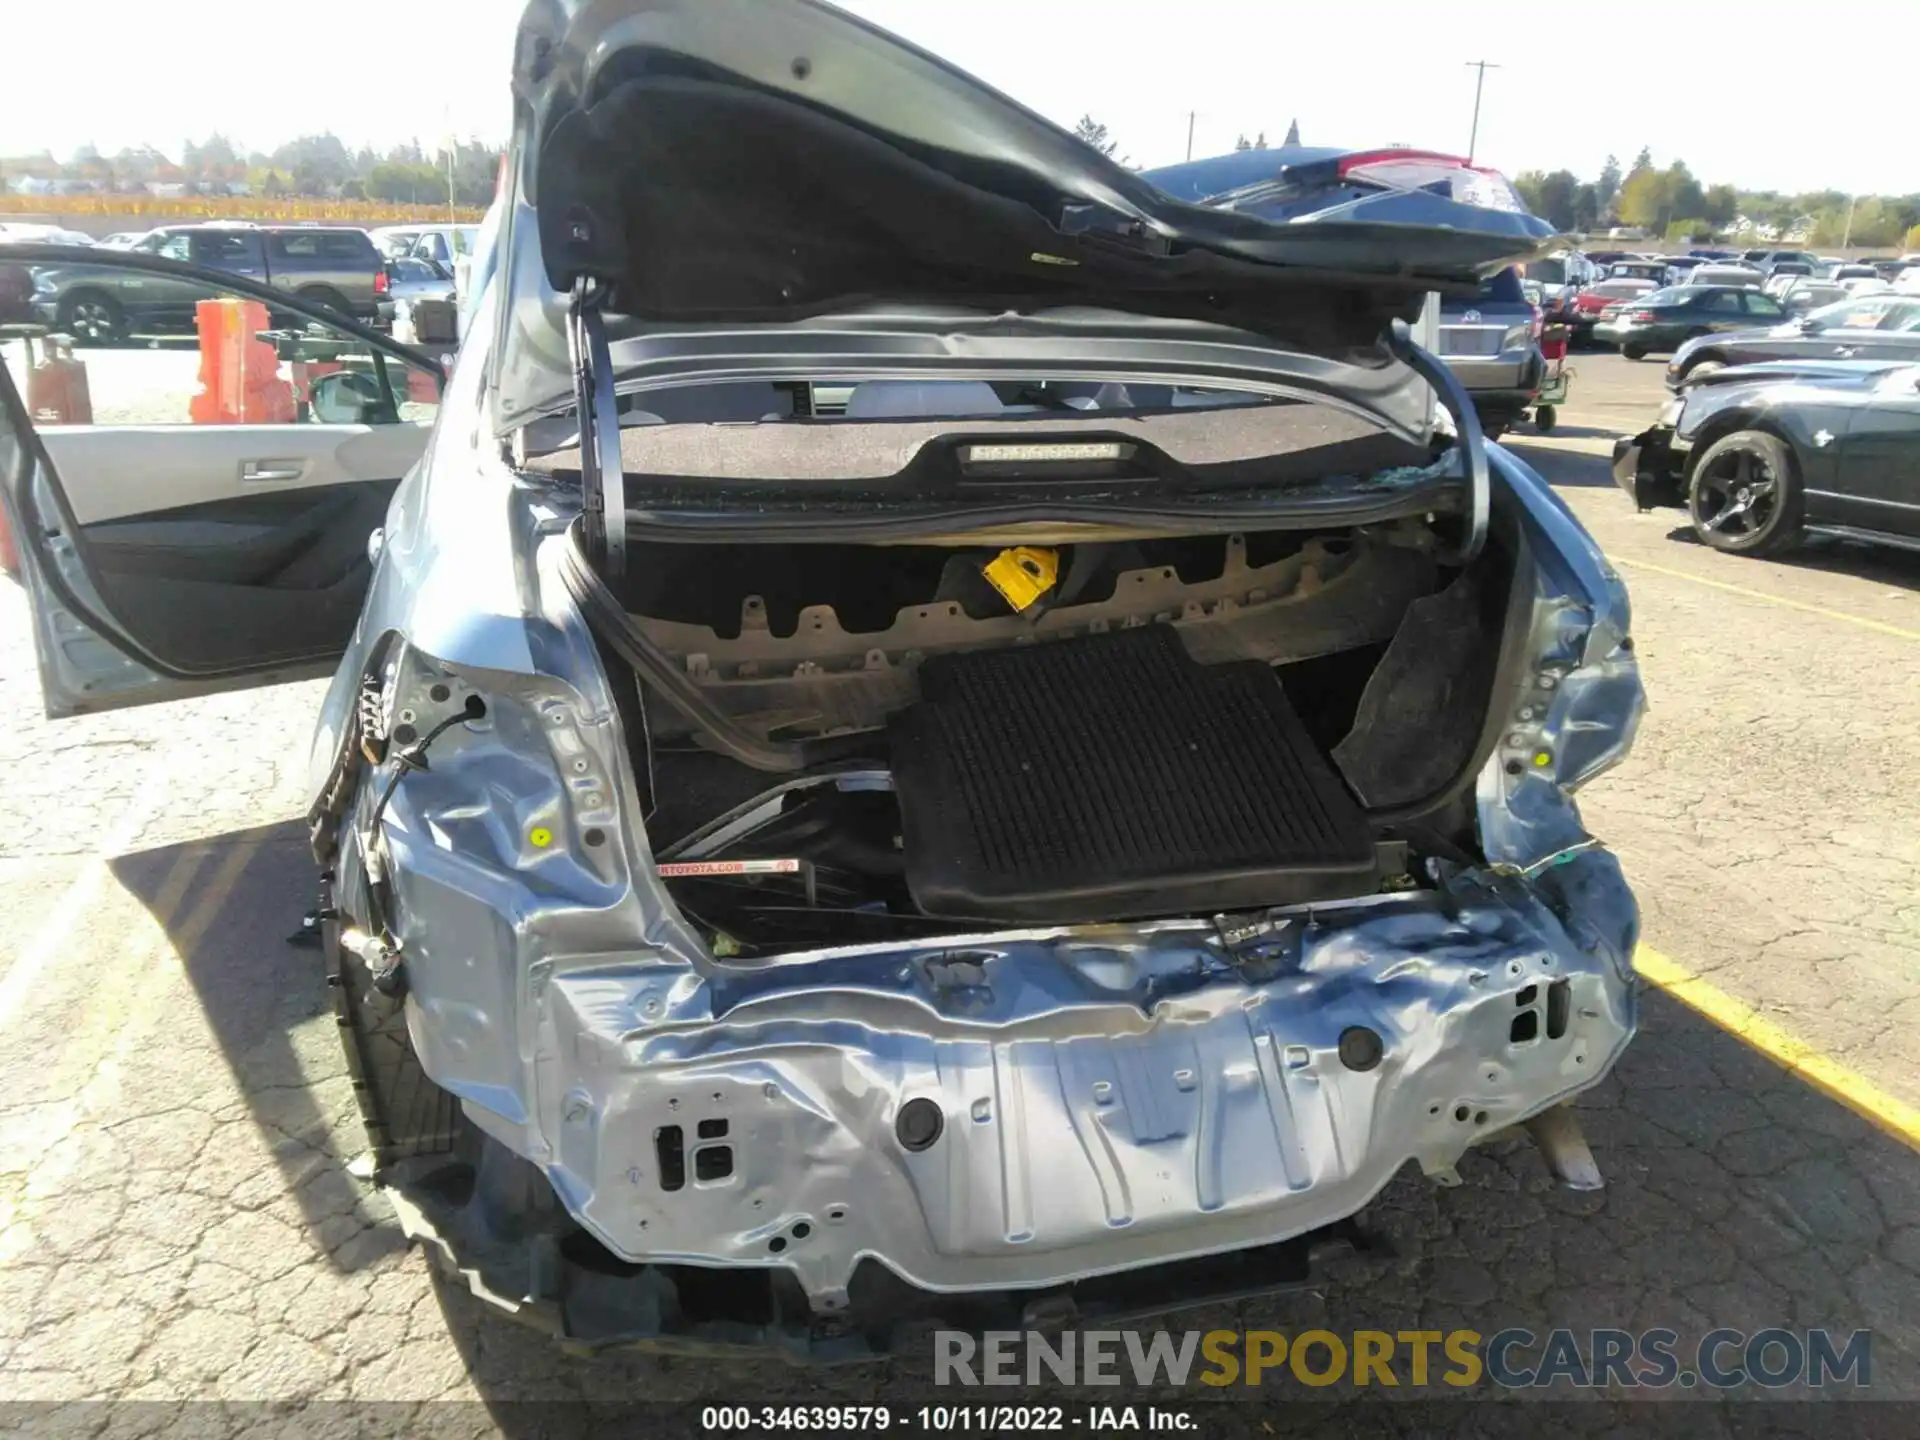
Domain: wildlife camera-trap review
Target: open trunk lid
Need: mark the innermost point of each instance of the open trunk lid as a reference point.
(771, 160)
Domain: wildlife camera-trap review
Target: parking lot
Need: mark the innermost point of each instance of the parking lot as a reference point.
(180, 1217)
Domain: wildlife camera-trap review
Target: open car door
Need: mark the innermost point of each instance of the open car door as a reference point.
(191, 512)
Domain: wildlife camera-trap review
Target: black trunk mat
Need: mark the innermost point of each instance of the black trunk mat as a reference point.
(1112, 776)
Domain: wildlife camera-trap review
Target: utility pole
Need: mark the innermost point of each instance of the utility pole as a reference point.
(453, 148)
(1479, 80)
(1190, 118)
(1849, 236)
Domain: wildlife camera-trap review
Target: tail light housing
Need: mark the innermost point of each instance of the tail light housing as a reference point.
(1639, 317)
(382, 282)
(1388, 171)
(1450, 175)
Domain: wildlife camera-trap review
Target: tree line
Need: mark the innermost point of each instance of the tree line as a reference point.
(1674, 204)
(311, 166)
(1669, 202)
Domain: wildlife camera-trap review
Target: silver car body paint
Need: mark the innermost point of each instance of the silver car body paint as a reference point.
(1112, 1095)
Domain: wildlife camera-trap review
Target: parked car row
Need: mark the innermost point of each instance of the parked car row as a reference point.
(337, 267)
(1654, 304)
(1806, 427)
(1869, 327)
(1663, 319)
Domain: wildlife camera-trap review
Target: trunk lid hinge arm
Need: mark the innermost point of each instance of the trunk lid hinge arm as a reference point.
(603, 484)
(1473, 442)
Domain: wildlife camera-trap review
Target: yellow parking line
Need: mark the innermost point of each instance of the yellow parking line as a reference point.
(1832, 1079)
(1880, 625)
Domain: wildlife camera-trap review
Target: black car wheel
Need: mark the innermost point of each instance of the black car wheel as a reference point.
(1633, 350)
(92, 318)
(327, 298)
(1745, 496)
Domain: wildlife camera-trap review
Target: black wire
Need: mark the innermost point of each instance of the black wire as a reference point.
(404, 762)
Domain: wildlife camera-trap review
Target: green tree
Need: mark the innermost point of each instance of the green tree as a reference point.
(1643, 195)
(1873, 223)
(1607, 186)
(316, 164)
(1682, 194)
(1091, 132)
(1766, 207)
(1722, 204)
(414, 183)
(1550, 196)
(1586, 207)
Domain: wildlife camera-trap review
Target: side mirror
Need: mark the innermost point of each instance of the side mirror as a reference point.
(1807, 324)
(344, 398)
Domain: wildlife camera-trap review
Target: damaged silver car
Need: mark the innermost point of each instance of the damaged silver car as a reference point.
(936, 730)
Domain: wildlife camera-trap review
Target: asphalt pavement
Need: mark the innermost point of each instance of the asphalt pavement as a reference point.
(181, 1221)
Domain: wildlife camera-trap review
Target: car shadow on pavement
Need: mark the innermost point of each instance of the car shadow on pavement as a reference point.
(1881, 564)
(268, 1007)
(1565, 431)
(1567, 467)
(1737, 1196)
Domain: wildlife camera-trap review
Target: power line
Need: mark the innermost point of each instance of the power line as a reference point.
(1478, 81)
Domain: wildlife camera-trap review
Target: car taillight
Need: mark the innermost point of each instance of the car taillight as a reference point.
(382, 282)
(1640, 317)
(1449, 175)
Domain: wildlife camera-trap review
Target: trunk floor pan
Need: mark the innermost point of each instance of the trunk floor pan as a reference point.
(1110, 777)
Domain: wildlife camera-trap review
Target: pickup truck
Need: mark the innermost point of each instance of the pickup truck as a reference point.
(334, 266)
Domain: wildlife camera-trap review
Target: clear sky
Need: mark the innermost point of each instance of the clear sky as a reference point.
(1789, 98)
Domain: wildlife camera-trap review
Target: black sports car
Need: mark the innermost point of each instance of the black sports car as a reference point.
(1867, 327)
(1760, 455)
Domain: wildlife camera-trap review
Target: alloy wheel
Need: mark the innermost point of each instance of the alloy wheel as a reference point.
(92, 321)
(1736, 494)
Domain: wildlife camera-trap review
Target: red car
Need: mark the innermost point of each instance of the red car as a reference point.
(1595, 300)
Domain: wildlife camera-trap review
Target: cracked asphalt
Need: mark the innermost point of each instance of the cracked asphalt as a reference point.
(180, 1221)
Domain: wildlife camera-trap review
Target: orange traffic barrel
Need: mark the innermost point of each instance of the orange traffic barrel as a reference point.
(57, 391)
(240, 381)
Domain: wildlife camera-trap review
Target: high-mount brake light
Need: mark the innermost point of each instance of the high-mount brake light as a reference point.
(1364, 159)
(1453, 176)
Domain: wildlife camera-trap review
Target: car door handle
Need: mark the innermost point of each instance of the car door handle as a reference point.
(1846, 351)
(263, 471)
